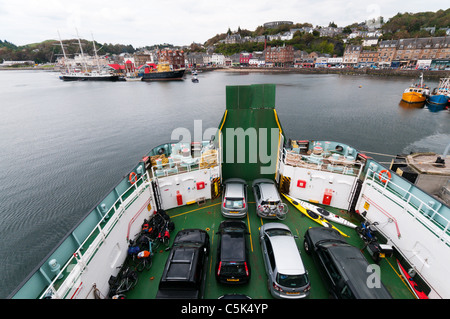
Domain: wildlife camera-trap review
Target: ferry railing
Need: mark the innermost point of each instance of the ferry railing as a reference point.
(178, 165)
(323, 163)
(438, 224)
(96, 237)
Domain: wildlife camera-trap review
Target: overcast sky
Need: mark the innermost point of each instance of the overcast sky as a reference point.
(179, 22)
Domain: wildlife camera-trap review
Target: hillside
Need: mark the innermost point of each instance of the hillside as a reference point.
(49, 50)
(409, 25)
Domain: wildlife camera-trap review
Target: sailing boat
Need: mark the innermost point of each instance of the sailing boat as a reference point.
(86, 75)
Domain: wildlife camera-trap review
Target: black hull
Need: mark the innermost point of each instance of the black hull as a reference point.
(110, 78)
(163, 76)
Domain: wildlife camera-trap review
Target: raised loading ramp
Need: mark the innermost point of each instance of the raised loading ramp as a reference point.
(251, 133)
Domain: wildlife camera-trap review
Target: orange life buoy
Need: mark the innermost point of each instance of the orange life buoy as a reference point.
(133, 178)
(388, 176)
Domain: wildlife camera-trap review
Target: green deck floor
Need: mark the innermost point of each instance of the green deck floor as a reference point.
(208, 217)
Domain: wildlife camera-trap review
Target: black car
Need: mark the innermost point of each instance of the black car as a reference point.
(346, 271)
(232, 264)
(184, 274)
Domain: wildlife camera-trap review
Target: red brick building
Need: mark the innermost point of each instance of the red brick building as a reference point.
(174, 57)
(280, 56)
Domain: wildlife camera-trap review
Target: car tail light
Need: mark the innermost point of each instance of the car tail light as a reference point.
(244, 205)
(277, 288)
(224, 202)
(246, 268)
(218, 270)
(307, 288)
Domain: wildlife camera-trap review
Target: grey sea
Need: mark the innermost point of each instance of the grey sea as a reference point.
(64, 145)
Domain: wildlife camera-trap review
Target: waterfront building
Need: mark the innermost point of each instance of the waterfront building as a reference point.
(351, 54)
(368, 58)
(321, 62)
(218, 59)
(409, 51)
(386, 52)
(244, 58)
(194, 59)
(256, 62)
(441, 64)
(175, 58)
(143, 57)
(280, 56)
(335, 61)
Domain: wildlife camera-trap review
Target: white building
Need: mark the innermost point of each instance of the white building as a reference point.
(335, 61)
(367, 42)
(286, 36)
(218, 59)
(256, 62)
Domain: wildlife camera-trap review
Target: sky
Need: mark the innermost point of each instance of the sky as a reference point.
(179, 22)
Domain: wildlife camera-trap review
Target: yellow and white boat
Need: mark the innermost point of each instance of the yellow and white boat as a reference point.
(416, 93)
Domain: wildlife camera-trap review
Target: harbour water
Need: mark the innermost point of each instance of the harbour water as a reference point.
(64, 145)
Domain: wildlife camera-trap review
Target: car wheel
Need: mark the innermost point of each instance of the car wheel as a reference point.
(306, 245)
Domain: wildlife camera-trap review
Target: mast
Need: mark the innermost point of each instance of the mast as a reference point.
(64, 53)
(95, 50)
(82, 53)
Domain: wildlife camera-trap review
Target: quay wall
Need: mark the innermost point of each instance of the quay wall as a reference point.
(346, 71)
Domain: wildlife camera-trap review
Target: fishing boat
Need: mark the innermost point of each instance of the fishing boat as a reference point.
(416, 93)
(164, 72)
(441, 94)
(172, 198)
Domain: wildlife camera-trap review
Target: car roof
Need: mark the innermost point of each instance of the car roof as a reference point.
(269, 192)
(322, 234)
(234, 190)
(233, 246)
(288, 262)
(354, 268)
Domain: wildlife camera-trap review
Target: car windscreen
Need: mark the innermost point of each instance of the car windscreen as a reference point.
(234, 203)
(271, 203)
(278, 232)
(292, 281)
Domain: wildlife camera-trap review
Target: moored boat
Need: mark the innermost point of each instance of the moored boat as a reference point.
(416, 93)
(89, 76)
(441, 94)
(164, 72)
(93, 73)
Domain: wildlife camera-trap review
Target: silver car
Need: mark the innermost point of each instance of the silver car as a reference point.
(286, 275)
(268, 201)
(234, 201)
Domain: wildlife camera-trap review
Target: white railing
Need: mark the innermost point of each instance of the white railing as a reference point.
(340, 165)
(178, 165)
(429, 219)
(82, 260)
